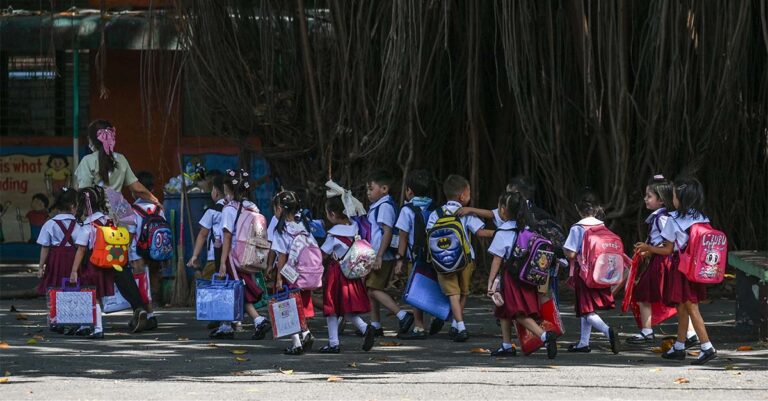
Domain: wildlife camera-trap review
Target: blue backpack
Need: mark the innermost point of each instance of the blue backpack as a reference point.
(448, 243)
(155, 240)
(420, 218)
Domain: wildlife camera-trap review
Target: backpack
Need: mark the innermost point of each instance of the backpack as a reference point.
(155, 240)
(420, 218)
(359, 259)
(535, 255)
(249, 241)
(602, 260)
(448, 245)
(110, 247)
(365, 227)
(305, 261)
(704, 258)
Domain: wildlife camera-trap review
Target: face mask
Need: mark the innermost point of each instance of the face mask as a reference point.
(91, 147)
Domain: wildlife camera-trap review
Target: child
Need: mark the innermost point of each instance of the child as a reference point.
(37, 215)
(418, 202)
(210, 232)
(648, 290)
(688, 200)
(521, 300)
(342, 296)
(588, 300)
(456, 286)
(236, 189)
(57, 252)
(382, 215)
(289, 224)
(92, 199)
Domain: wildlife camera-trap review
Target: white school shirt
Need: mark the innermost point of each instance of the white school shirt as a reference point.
(470, 222)
(504, 240)
(657, 220)
(576, 235)
(281, 242)
(51, 234)
(384, 214)
(229, 214)
(405, 222)
(87, 233)
(332, 245)
(135, 231)
(675, 229)
(211, 221)
(271, 229)
(497, 221)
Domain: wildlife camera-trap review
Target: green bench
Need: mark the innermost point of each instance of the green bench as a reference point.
(751, 290)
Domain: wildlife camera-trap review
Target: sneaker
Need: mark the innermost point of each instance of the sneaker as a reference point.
(504, 352)
(406, 323)
(307, 342)
(327, 349)
(642, 339)
(461, 336)
(140, 317)
(370, 333)
(551, 344)
(151, 323)
(83, 331)
(294, 351)
(705, 356)
(413, 335)
(452, 332)
(262, 330)
(222, 332)
(98, 335)
(575, 348)
(436, 326)
(613, 338)
(674, 354)
(692, 342)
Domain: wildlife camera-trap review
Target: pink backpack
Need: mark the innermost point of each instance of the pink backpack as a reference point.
(703, 260)
(602, 260)
(307, 260)
(249, 241)
(359, 259)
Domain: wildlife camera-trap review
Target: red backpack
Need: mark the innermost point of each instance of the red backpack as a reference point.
(703, 260)
(602, 258)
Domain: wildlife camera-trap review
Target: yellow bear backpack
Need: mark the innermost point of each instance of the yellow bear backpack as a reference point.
(110, 249)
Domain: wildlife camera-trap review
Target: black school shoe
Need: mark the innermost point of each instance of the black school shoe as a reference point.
(436, 326)
(83, 331)
(504, 352)
(262, 330)
(406, 323)
(613, 338)
(307, 342)
(642, 339)
(139, 320)
(461, 336)
(368, 338)
(327, 349)
(152, 324)
(551, 344)
(575, 348)
(692, 342)
(705, 356)
(674, 354)
(222, 334)
(294, 351)
(413, 335)
(99, 335)
(452, 333)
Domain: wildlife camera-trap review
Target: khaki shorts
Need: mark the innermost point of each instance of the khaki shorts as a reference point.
(457, 283)
(209, 269)
(379, 279)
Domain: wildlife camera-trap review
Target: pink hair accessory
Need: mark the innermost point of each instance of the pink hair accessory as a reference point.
(658, 177)
(107, 138)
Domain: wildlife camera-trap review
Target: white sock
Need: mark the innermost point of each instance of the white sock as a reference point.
(401, 314)
(333, 330)
(296, 340)
(99, 327)
(259, 320)
(705, 346)
(357, 321)
(646, 332)
(460, 326)
(376, 325)
(586, 330)
(543, 336)
(678, 346)
(454, 324)
(690, 334)
(598, 323)
(506, 345)
(150, 315)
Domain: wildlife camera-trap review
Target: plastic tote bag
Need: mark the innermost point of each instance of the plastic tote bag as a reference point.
(424, 292)
(286, 314)
(117, 302)
(219, 300)
(72, 305)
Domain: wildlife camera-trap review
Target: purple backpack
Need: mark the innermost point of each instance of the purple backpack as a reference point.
(535, 255)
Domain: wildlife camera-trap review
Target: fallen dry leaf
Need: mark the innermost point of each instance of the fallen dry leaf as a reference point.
(694, 353)
(744, 348)
(655, 370)
(31, 341)
(39, 337)
(335, 378)
(479, 350)
(239, 351)
(378, 359)
(353, 365)
(182, 339)
(682, 380)
(730, 367)
(241, 359)
(21, 316)
(390, 343)
(657, 350)
(286, 371)
(736, 373)
(667, 344)
(7, 373)
(4, 345)
(4, 380)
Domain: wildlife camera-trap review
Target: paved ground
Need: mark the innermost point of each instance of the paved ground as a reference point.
(178, 361)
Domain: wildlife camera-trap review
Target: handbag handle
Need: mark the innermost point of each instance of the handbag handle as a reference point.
(65, 287)
(225, 280)
(283, 295)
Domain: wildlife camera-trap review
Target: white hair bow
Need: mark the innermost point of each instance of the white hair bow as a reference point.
(352, 206)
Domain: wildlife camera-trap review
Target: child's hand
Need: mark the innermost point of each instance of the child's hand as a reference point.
(463, 211)
(377, 263)
(73, 277)
(222, 271)
(193, 262)
(40, 271)
(399, 267)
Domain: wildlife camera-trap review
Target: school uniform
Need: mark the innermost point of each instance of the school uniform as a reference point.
(381, 213)
(58, 234)
(519, 298)
(677, 288)
(342, 296)
(252, 291)
(90, 275)
(406, 222)
(212, 221)
(650, 285)
(588, 300)
(458, 283)
(281, 244)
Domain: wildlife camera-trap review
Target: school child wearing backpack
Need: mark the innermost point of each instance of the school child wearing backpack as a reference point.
(412, 224)
(236, 189)
(589, 297)
(382, 216)
(210, 235)
(698, 254)
(343, 297)
(521, 299)
(91, 210)
(451, 250)
(648, 289)
(299, 256)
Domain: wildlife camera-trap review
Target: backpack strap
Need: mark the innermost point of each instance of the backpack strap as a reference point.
(67, 232)
(237, 217)
(143, 213)
(345, 240)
